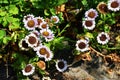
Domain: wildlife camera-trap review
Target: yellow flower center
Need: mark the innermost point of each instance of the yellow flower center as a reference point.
(45, 33)
(31, 23)
(44, 26)
(91, 14)
(43, 51)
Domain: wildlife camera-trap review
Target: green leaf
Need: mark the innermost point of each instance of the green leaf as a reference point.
(2, 33)
(84, 2)
(6, 39)
(52, 10)
(14, 26)
(106, 28)
(89, 35)
(3, 1)
(13, 9)
(2, 13)
(46, 12)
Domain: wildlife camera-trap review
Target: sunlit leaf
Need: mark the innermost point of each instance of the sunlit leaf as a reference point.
(2, 33)
(6, 39)
(13, 9)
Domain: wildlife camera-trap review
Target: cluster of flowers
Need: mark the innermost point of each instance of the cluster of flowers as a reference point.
(89, 23)
(39, 32)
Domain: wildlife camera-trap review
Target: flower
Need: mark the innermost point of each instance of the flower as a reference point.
(28, 70)
(50, 37)
(55, 19)
(61, 65)
(44, 25)
(89, 24)
(44, 52)
(41, 64)
(35, 48)
(102, 7)
(30, 24)
(31, 40)
(82, 45)
(103, 38)
(114, 5)
(47, 34)
(23, 45)
(91, 14)
(39, 20)
(35, 32)
(27, 17)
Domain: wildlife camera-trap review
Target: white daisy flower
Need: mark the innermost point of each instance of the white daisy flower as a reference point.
(27, 17)
(103, 38)
(61, 65)
(23, 45)
(30, 24)
(91, 14)
(49, 55)
(31, 40)
(44, 52)
(55, 19)
(35, 32)
(46, 33)
(82, 45)
(35, 48)
(44, 25)
(50, 37)
(114, 5)
(89, 24)
(39, 20)
(28, 70)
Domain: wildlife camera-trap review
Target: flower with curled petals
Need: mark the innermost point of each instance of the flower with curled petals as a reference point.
(82, 45)
(91, 14)
(89, 24)
(44, 25)
(61, 65)
(114, 5)
(44, 52)
(103, 38)
(28, 70)
(27, 17)
(30, 24)
(55, 19)
(39, 20)
(23, 45)
(31, 40)
(47, 34)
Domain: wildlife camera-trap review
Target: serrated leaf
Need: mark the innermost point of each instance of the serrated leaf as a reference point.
(14, 26)
(2, 33)
(13, 9)
(2, 13)
(6, 39)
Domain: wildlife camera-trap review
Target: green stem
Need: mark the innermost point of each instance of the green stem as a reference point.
(68, 25)
(113, 48)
